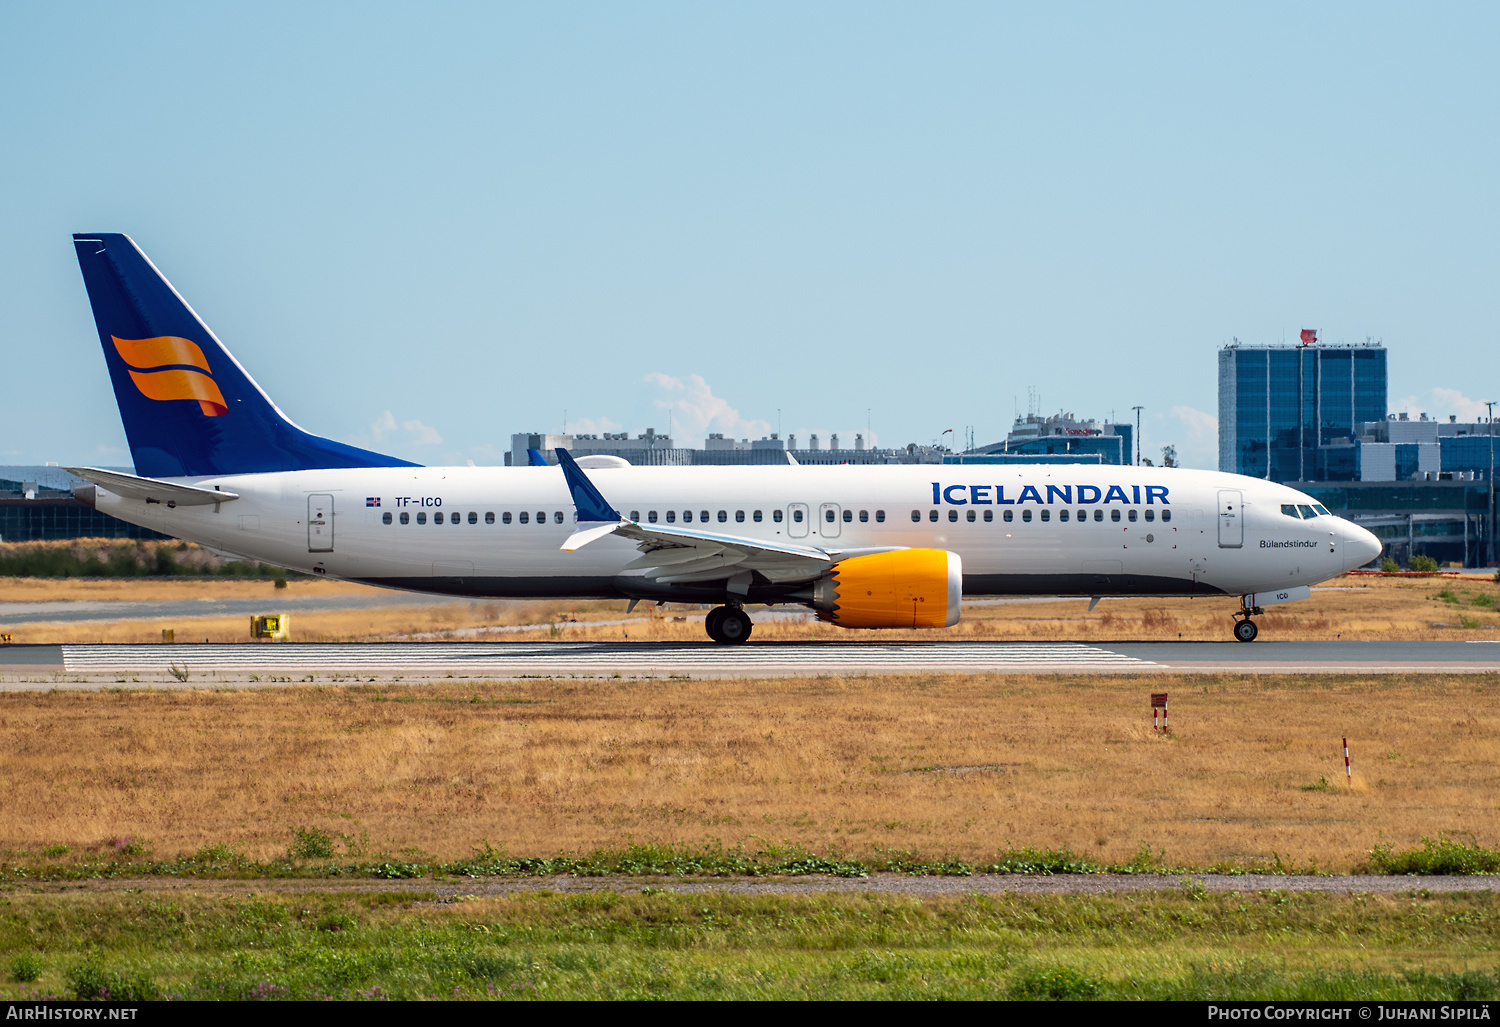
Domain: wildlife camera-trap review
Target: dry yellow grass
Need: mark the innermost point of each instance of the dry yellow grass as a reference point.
(1350, 608)
(944, 764)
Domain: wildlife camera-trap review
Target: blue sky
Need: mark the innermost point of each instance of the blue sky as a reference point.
(424, 227)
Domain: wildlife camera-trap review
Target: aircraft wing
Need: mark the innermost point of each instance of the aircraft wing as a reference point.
(673, 555)
(150, 489)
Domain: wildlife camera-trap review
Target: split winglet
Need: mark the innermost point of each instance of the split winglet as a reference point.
(596, 518)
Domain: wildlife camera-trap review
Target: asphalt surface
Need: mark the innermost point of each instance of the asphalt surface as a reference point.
(190, 665)
(70, 611)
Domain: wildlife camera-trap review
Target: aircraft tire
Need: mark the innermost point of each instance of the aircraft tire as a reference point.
(734, 626)
(1245, 630)
(711, 623)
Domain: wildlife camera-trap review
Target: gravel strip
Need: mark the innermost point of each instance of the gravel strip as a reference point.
(893, 884)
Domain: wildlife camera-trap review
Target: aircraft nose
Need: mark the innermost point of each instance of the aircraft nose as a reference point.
(1360, 545)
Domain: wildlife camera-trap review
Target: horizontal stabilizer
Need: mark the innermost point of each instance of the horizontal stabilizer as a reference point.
(152, 491)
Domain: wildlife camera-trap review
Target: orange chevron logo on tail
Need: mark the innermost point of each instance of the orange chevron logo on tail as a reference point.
(176, 382)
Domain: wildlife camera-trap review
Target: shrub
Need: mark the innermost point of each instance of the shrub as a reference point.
(91, 981)
(25, 968)
(310, 843)
(1054, 982)
(1441, 855)
(1422, 564)
(1389, 566)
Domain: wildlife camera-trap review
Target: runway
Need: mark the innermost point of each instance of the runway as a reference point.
(190, 665)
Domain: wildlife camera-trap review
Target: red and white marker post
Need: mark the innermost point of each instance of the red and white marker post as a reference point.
(1159, 702)
(1348, 774)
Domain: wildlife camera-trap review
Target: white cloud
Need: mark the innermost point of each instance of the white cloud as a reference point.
(382, 426)
(425, 435)
(1197, 438)
(696, 411)
(592, 426)
(1439, 403)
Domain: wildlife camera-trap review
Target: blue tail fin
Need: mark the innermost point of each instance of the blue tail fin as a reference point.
(189, 407)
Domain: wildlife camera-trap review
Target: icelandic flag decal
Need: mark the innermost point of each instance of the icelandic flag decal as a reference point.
(372, 501)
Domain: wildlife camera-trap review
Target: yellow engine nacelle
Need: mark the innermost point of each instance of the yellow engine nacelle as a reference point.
(909, 588)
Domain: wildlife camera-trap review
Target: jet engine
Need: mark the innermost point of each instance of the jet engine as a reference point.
(908, 588)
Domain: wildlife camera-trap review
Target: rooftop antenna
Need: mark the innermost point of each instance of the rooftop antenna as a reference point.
(1137, 434)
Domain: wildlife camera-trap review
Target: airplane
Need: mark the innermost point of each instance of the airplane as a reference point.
(217, 463)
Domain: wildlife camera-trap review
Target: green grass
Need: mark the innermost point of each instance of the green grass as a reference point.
(312, 854)
(1185, 944)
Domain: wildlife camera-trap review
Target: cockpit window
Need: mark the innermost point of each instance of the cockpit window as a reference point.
(1308, 513)
(1322, 510)
(1289, 510)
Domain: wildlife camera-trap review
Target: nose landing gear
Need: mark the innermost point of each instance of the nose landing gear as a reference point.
(728, 625)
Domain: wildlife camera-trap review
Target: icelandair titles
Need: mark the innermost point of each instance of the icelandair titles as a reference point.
(1086, 495)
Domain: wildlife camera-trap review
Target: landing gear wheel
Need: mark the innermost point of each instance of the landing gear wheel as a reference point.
(711, 622)
(734, 626)
(1245, 630)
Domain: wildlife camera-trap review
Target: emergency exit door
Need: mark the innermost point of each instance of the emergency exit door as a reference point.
(1231, 519)
(319, 524)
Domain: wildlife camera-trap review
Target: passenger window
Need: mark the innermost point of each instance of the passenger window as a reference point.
(557, 517)
(385, 518)
(1308, 513)
(505, 517)
(456, 518)
(406, 518)
(879, 516)
(723, 516)
(473, 517)
(1289, 510)
(437, 518)
(671, 516)
(797, 516)
(1062, 515)
(524, 517)
(651, 516)
(421, 518)
(1114, 515)
(1046, 514)
(916, 515)
(971, 516)
(864, 516)
(541, 516)
(849, 516)
(989, 515)
(739, 517)
(1150, 515)
(1166, 515)
(1009, 516)
(635, 516)
(687, 517)
(1083, 516)
(952, 515)
(1132, 516)
(828, 516)
(932, 516)
(776, 516)
(1025, 515)
(1099, 515)
(755, 517)
(703, 517)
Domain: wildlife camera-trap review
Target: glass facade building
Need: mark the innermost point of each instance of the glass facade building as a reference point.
(1291, 413)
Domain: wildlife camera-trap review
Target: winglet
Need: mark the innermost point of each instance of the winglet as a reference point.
(591, 505)
(534, 458)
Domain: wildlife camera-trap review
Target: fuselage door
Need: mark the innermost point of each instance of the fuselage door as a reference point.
(1231, 519)
(319, 524)
(797, 520)
(828, 520)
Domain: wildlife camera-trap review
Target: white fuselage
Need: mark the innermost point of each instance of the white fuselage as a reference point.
(1071, 529)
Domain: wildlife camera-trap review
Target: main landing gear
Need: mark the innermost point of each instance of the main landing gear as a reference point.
(1244, 628)
(728, 625)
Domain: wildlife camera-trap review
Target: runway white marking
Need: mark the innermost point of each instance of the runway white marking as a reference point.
(520, 659)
